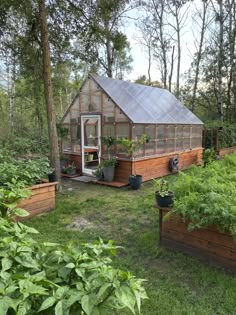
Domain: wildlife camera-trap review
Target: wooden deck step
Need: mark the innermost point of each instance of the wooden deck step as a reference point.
(112, 184)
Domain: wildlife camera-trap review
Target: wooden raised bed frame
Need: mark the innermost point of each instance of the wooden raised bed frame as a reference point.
(208, 245)
(41, 200)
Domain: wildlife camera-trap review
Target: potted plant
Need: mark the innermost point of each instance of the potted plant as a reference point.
(109, 162)
(98, 173)
(132, 147)
(70, 169)
(164, 197)
(51, 175)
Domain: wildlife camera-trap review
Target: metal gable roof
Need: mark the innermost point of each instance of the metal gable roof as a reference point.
(145, 104)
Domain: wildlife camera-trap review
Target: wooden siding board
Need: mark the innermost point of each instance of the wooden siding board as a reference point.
(206, 244)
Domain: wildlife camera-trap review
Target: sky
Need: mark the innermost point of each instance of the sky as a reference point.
(140, 60)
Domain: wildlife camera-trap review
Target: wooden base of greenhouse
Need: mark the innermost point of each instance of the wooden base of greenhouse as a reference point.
(42, 200)
(150, 166)
(208, 245)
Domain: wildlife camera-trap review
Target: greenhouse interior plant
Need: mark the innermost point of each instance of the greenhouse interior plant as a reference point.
(131, 147)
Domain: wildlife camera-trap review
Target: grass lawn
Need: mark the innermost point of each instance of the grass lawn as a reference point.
(176, 284)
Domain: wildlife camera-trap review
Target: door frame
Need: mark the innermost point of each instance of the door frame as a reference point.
(85, 170)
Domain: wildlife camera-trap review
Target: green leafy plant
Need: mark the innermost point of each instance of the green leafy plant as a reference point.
(161, 186)
(132, 146)
(67, 169)
(207, 196)
(10, 195)
(208, 156)
(99, 172)
(109, 142)
(48, 278)
(30, 172)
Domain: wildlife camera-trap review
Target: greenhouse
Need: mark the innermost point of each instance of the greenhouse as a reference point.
(110, 107)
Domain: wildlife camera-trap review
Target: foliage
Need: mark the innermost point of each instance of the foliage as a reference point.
(25, 145)
(208, 156)
(67, 169)
(48, 278)
(110, 143)
(207, 196)
(132, 146)
(10, 195)
(110, 162)
(29, 172)
(99, 172)
(161, 186)
(226, 135)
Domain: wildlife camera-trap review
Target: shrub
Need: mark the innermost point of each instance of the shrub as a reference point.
(49, 278)
(28, 172)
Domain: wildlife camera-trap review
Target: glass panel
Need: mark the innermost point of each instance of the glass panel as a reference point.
(120, 116)
(73, 129)
(179, 132)
(170, 132)
(170, 145)
(150, 148)
(150, 130)
(108, 110)
(186, 131)
(196, 142)
(161, 146)
(96, 104)
(179, 144)
(90, 132)
(186, 143)
(84, 103)
(196, 131)
(108, 130)
(94, 88)
(122, 131)
(161, 132)
(138, 131)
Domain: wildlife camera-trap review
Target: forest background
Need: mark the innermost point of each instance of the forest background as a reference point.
(90, 36)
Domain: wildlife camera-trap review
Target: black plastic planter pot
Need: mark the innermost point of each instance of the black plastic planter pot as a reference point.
(166, 201)
(52, 177)
(135, 181)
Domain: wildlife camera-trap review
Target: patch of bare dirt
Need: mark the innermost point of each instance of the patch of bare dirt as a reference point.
(81, 224)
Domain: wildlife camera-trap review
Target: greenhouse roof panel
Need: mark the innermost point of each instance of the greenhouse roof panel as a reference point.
(145, 104)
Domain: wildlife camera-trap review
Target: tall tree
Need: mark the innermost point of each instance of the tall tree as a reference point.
(51, 117)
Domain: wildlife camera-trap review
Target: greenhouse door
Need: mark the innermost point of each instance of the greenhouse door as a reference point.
(91, 142)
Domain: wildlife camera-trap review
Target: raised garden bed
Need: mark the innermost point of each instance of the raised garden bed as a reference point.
(208, 245)
(42, 199)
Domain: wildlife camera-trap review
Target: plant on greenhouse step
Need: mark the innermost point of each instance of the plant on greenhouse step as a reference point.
(132, 147)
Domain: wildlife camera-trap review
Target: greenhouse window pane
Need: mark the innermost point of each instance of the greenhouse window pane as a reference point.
(108, 130)
(161, 132)
(161, 145)
(138, 131)
(196, 142)
(179, 145)
(170, 132)
(150, 148)
(170, 145)
(186, 143)
(122, 131)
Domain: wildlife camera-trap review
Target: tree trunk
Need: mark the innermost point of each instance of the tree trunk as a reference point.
(199, 55)
(220, 61)
(171, 67)
(51, 117)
